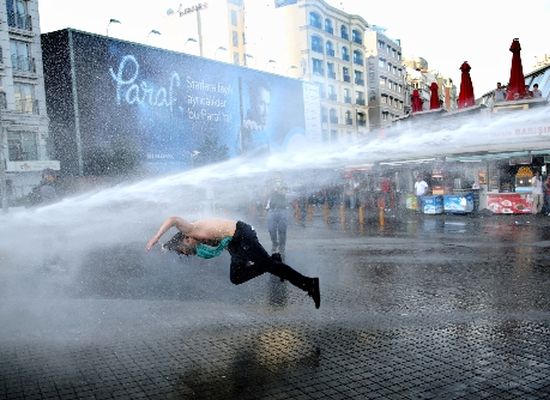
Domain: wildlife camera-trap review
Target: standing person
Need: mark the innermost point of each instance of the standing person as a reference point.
(536, 92)
(209, 237)
(420, 189)
(546, 186)
(536, 184)
(47, 190)
(500, 93)
(277, 216)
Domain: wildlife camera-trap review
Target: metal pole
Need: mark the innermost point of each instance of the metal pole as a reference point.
(199, 31)
(3, 180)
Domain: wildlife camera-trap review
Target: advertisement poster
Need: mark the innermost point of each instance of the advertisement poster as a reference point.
(164, 110)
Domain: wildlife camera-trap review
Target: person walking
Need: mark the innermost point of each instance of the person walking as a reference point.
(208, 238)
(420, 189)
(546, 186)
(537, 193)
(277, 216)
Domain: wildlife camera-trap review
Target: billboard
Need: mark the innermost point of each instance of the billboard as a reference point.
(159, 109)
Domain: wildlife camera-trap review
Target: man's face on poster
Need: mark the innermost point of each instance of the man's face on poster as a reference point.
(260, 105)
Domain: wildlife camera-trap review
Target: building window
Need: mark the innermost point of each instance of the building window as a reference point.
(333, 116)
(330, 48)
(334, 134)
(235, 38)
(324, 114)
(357, 36)
(360, 98)
(380, 45)
(359, 78)
(328, 26)
(345, 74)
(233, 17)
(330, 71)
(347, 96)
(318, 67)
(349, 121)
(344, 32)
(332, 93)
(345, 53)
(381, 63)
(236, 58)
(21, 56)
(22, 146)
(18, 15)
(316, 44)
(357, 57)
(382, 82)
(315, 20)
(24, 98)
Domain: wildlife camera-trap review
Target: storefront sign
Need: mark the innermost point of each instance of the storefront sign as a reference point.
(31, 166)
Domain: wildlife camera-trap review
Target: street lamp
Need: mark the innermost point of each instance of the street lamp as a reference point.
(112, 21)
(219, 48)
(188, 10)
(189, 40)
(153, 32)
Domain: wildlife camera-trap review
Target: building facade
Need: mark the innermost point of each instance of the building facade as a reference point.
(340, 52)
(24, 121)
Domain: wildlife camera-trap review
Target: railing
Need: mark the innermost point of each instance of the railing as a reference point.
(347, 78)
(347, 99)
(349, 121)
(332, 96)
(332, 75)
(345, 57)
(360, 102)
(361, 122)
(360, 82)
(330, 53)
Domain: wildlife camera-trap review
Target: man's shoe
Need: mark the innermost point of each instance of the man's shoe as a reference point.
(277, 257)
(314, 292)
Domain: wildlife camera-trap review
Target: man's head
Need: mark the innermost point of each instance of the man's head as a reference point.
(536, 86)
(499, 85)
(181, 244)
(260, 99)
(49, 175)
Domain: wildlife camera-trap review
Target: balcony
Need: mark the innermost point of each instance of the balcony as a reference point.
(359, 82)
(330, 53)
(347, 99)
(361, 122)
(349, 121)
(360, 102)
(345, 57)
(331, 74)
(332, 96)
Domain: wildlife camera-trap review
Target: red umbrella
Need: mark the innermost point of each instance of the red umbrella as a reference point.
(416, 101)
(434, 98)
(516, 85)
(466, 97)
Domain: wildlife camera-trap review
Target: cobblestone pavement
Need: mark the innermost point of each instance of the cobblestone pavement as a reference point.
(421, 307)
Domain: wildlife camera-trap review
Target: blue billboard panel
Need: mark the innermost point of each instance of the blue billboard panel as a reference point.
(165, 110)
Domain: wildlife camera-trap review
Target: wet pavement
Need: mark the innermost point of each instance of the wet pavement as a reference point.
(416, 307)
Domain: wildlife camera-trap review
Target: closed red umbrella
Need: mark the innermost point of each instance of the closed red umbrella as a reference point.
(466, 96)
(516, 85)
(416, 101)
(434, 98)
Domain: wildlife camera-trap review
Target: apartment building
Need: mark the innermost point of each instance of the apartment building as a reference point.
(316, 42)
(23, 118)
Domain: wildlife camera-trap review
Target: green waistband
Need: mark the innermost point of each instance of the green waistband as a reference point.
(206, 251)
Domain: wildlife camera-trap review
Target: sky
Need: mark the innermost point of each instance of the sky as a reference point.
(444, 33)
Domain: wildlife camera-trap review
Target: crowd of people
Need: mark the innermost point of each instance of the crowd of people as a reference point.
(499, 94)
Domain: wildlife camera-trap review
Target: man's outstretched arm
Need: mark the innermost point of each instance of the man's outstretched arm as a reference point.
(180, 223)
